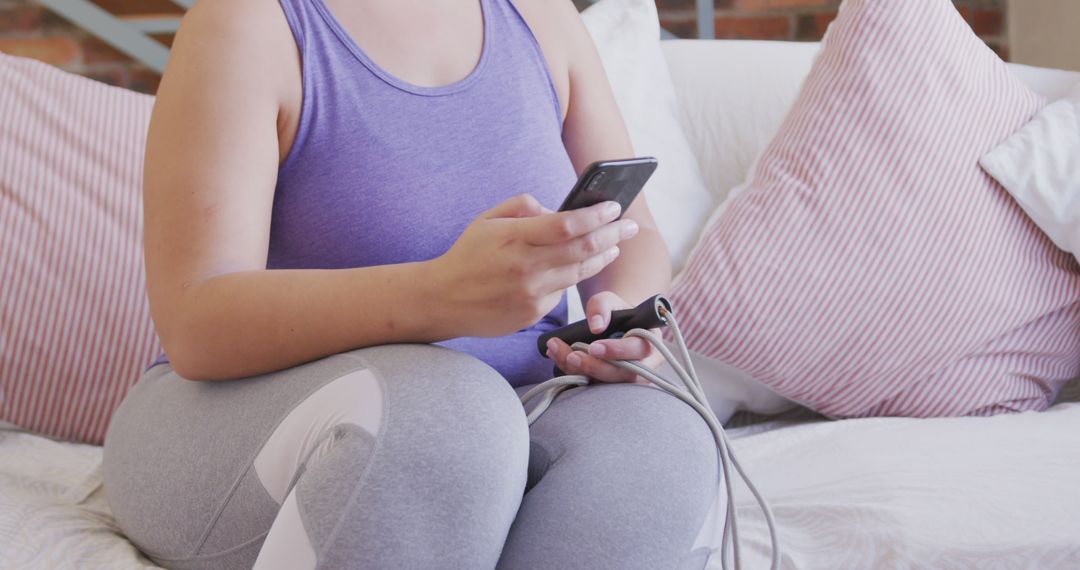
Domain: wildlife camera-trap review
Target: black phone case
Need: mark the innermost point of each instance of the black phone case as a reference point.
(618, 180)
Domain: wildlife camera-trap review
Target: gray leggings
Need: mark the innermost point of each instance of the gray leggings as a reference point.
(407, 456)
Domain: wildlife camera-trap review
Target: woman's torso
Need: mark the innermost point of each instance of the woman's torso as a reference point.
(381, 170)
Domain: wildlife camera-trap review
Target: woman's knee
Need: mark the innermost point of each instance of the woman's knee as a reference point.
(440, 414)
(625, 453)
(669, 431)
(447, 466)
(451, 409)
(635, 427)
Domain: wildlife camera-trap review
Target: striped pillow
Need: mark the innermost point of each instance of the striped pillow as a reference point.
(75, 329)
(869, 267)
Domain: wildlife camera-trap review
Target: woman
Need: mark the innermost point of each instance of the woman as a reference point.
(332, 186)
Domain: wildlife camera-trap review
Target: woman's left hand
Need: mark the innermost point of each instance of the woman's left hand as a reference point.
(595, 364)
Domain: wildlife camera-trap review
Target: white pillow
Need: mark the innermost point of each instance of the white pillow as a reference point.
(733, 95)
(1040, 166)
(627, 35)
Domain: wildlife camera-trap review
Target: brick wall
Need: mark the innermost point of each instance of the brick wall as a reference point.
(29, 30)
(807, 19)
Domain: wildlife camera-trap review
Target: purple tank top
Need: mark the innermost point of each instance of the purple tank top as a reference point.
(384, 171)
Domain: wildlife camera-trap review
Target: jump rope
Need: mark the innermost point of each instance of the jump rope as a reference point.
(656, 312)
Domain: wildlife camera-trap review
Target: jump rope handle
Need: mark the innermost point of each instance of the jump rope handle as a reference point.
(644, 316)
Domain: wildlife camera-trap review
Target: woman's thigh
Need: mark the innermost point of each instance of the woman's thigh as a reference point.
(620, 476)
(371, 441)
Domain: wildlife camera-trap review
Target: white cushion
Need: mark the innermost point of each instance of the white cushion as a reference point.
(1040, 166)
(871, 267)
(733, 95)
(627, 35)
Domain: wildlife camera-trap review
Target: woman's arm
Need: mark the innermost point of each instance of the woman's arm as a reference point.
(216, 138)
(211, 163)
(594, 130)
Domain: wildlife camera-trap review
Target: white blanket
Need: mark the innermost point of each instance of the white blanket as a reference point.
(1001, 492)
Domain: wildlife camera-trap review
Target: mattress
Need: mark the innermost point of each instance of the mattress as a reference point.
(1000, 492)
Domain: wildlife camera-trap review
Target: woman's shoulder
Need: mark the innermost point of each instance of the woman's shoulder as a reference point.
(238, 50)
(560, 32)
(557, 21)
(244, 30)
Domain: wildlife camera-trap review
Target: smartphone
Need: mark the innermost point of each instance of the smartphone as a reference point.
(618, 180)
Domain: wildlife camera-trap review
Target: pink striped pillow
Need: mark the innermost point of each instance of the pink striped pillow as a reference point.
(869, 267)
(75, 328)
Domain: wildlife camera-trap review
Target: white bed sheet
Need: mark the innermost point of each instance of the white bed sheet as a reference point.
(53, 513)
(956, 493)
(1001, 492)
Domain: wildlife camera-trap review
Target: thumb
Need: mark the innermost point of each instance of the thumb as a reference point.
(520, 206)
(598, 310)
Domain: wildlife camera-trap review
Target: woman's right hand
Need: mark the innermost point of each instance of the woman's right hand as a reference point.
(511, 264)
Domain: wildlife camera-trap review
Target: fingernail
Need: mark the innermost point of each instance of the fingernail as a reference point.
(573, 360)
(629, 229)
(597, 349)
(611, 254)
(596, 323)
(551, 346)
(612, 210)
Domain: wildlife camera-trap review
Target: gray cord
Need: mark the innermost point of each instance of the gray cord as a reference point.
(694, 396)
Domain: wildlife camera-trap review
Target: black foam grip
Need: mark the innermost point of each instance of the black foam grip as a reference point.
(644, 316)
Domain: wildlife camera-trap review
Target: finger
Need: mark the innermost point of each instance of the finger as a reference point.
(597, 369)
(626, 348)
(590, 244)
(599, 307)
(562, 277)
(520, 206)
(559, 227)
(557, 352)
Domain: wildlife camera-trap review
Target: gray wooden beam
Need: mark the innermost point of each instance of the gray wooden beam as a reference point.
(112, 31)
(706, 23)
(167, 25)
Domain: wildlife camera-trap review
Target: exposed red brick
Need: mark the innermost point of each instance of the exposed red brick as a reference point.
(22, 19)
(140, 7)
(680, 26)
(754, 27)
(1001, 50)
(763, 5)
(987, 22)
(675, 5)
(113, 75)
(57, 50)
(165, 39)
(143, 80)
(812, 27)
(96, 52)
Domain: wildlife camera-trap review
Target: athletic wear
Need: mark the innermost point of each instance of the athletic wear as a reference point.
(383, 171)
(409, 456)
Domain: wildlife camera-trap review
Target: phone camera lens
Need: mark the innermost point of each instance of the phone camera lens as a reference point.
(595, 181)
